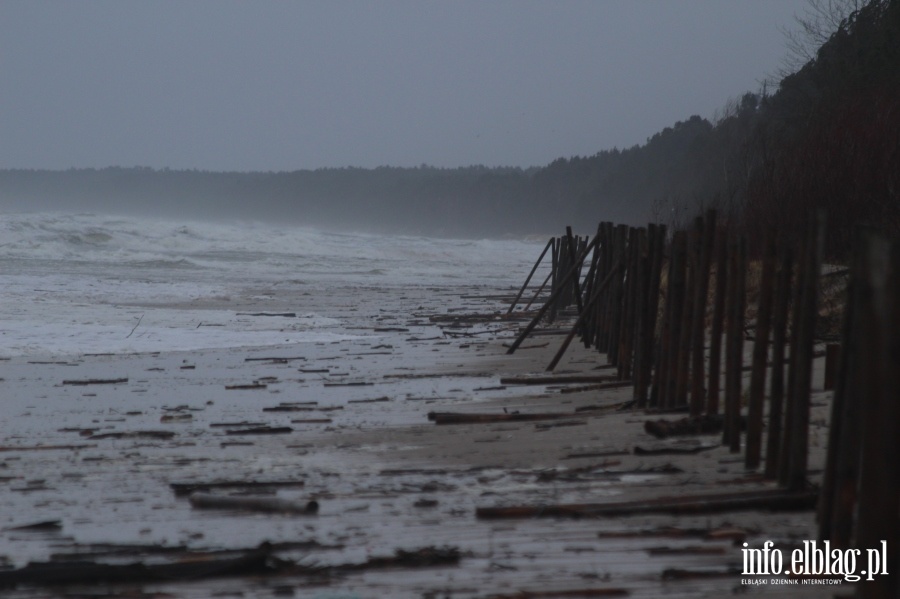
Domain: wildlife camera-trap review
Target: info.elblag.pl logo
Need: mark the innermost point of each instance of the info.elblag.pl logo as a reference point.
(813, 560)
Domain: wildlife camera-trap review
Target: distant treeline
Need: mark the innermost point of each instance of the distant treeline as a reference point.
(828, 136)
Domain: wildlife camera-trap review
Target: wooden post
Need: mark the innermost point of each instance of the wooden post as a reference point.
(779, 338)
(687, 329)
(698, 335)
(760, 355)
(590, 281)
(879, 480)
(575, 251)
(630, 306)
(790, 398)
(616, 297)
(832, 356)
(799, 447)
(550, 302)
(734, 344)
(718, 317)
(658, 378)
(597, 292)
(676, 289)
(642, 351)
(528, 278)
(657, 239)
(837, 503)
(740, 300)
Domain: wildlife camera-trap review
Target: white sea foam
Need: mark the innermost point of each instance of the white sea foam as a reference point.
(78, 283)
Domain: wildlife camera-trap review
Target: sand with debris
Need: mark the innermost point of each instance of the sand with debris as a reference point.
(349, 421)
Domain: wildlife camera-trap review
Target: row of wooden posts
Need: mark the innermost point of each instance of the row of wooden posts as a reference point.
(668, 312)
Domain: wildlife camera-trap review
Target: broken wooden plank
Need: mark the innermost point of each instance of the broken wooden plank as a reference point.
(83, 382)
(675, 532)
(134, 435)
(43, 526)
(469, 418)
(692, 425)
(261, 430)
(44, 574)
(770, 499)
(597, 387)
(271, 505)
(186, 488)
(672, 450)
(46, 447)
(558, 380)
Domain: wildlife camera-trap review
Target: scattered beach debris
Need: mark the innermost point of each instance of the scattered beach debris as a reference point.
(706, 424)
(672, 449)
(42, 526)
(469, 418)
(186, 488)
(248, 386)
(83, 382)
(770, 499)
(133, 435)
(272, 505)
(260, 430)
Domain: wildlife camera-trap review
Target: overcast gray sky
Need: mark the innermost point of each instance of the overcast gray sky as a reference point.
(234, 85)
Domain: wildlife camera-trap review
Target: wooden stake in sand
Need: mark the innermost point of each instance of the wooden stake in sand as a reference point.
(760, 355)
(571, 272)
(531, 274)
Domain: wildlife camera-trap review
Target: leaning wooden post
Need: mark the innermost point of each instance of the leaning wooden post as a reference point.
(589, 304)
(799, 448)
(718, 318)
(528, 278)
(760, 356)
(538, 292)
(550, 301)
(779, 338)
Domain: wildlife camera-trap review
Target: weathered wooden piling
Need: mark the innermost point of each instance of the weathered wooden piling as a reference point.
(779, 338)
(701, 293)
(734, 346)
(717, 325)
(756, 398)
(534, 268)
(799, 445)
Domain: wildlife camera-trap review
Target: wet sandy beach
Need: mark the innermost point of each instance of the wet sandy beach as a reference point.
(107, 467)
